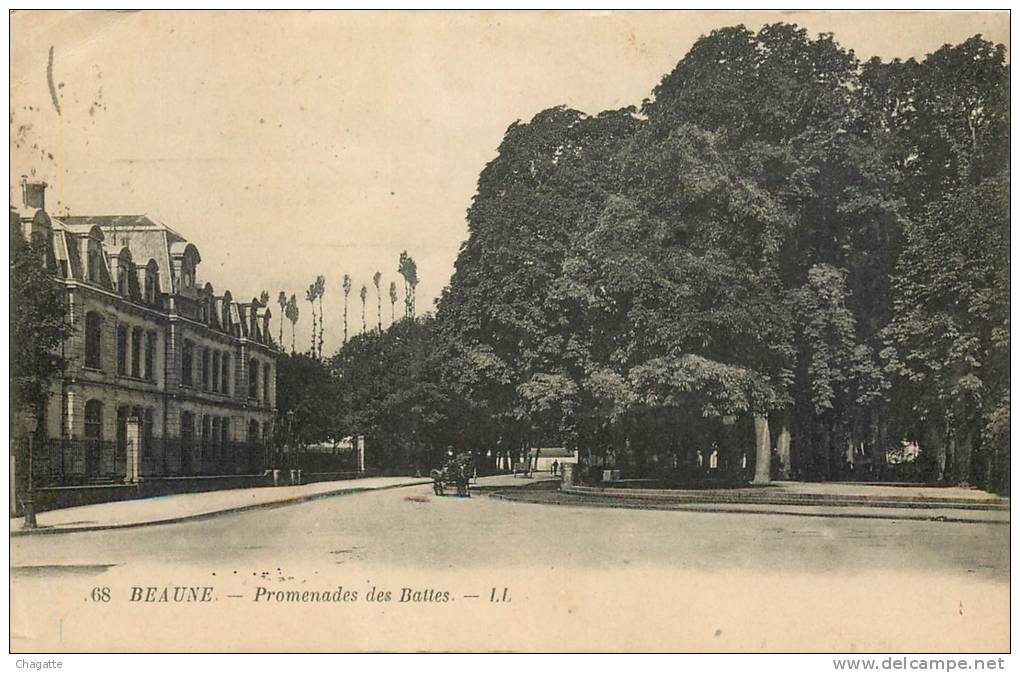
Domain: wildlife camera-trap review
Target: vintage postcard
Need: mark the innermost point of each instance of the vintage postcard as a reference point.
(492, 331)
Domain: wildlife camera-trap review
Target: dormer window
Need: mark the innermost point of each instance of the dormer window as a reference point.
(122, 277)
(151, 281)
(94, 261)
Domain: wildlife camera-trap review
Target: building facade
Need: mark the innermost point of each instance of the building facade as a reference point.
(162, 375)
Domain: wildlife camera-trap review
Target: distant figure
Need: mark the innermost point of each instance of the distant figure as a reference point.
(701, 460)
(713, 460)
(555, 466)
(743, 461)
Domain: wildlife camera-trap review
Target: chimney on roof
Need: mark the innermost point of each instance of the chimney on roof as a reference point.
(33, 193)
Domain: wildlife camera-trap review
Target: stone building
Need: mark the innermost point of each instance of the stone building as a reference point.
(163, 375)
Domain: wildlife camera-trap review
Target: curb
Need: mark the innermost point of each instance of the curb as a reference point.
(795, 500)
(722, 508)
(56, 530)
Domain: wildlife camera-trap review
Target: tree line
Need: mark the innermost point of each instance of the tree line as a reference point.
(784, 253)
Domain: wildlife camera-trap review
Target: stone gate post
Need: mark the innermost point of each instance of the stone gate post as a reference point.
(133, 464)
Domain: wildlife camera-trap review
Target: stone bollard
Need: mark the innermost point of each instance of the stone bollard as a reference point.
(276, 477)
(299, 476)
(293, 477)
(567, 474)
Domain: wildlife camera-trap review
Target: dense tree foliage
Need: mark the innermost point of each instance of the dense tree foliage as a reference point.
(36, 322)
(787, 257)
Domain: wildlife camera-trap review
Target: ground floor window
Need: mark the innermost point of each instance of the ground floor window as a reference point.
(93, 419)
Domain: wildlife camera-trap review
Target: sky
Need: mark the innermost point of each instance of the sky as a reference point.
(291, 144)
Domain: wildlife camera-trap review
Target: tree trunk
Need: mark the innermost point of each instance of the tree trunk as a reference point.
(962, 458)
(314, 324)
(763, 452)
(783, 449)
(322, 326)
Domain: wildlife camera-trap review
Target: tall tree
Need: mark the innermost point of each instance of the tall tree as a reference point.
(293, 313)
(409, 270)
(320, 289)
(282, 301)
(36, 322)
(376, 277)
(949, 339)
(393, 301)
(347, 292)
(311, 295)
(364, 322)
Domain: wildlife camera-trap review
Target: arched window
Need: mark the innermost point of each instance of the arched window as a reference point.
(253, 378)
(93, 437)
(253, 431)
(122, 335)
(267, 432)
(265, 383)
(93, 340)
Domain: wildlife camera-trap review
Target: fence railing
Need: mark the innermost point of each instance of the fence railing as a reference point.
(79, 461)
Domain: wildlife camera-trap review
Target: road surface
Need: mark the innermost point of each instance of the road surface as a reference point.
(515, 576)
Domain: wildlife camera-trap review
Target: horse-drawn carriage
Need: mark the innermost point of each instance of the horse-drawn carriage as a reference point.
(456, 473)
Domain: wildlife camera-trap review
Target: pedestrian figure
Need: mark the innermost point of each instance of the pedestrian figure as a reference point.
(555, 466)
(713, 459)
(701, 459)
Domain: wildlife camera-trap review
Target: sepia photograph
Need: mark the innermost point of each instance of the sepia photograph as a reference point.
(510, 331)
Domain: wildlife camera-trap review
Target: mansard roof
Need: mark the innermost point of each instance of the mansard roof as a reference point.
(147, 242)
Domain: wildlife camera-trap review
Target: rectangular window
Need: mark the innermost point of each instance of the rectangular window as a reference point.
(122, 335)
(136, 352)
(265, 384)
(93, 340)
(253, 378)
(225, 383)
(216, 371)
(187, 363)
(150, 356)
(205, 369)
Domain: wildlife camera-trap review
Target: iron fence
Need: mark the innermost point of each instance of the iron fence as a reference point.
(60, 462)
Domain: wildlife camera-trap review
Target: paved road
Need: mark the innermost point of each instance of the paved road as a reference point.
(578, 578)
